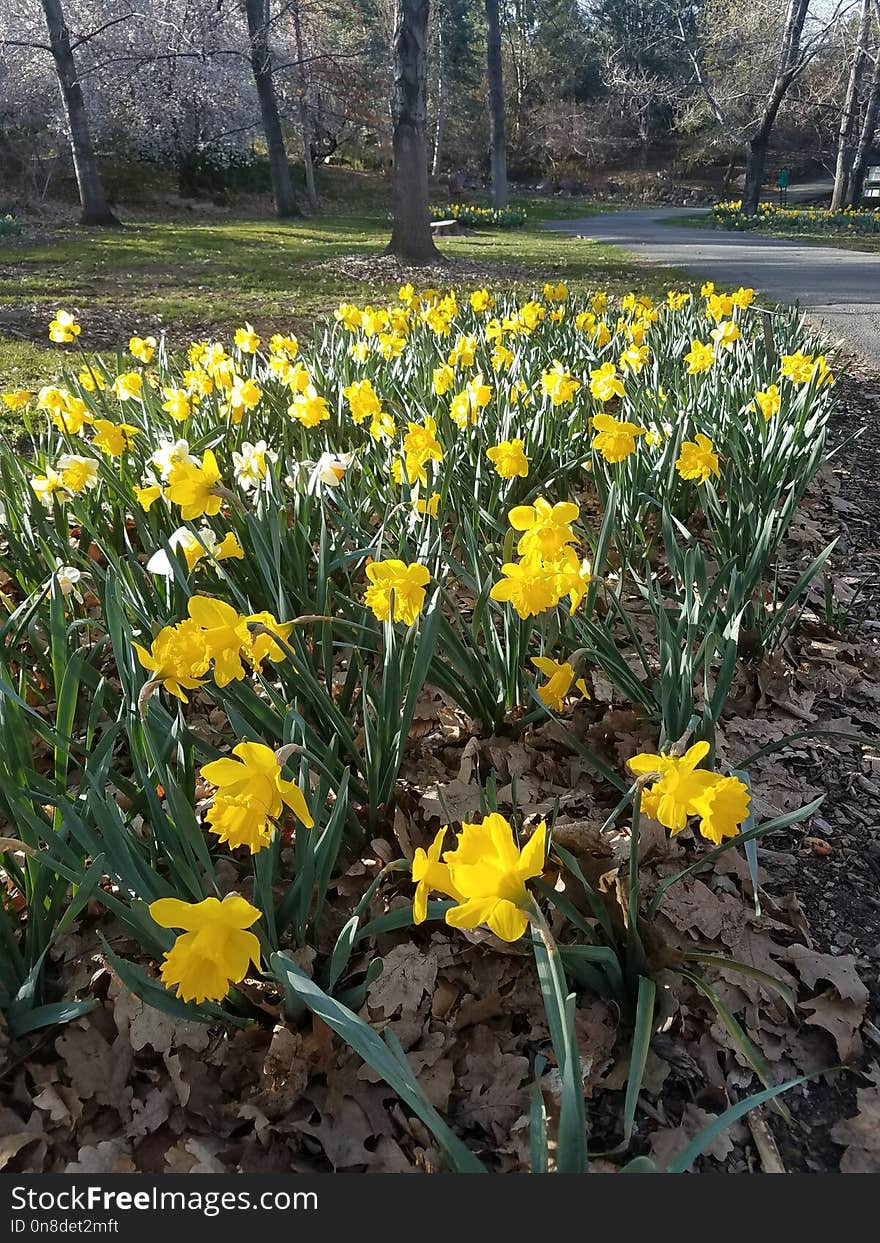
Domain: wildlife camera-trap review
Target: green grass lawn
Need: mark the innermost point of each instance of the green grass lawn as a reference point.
(194, 277)
(842, 241)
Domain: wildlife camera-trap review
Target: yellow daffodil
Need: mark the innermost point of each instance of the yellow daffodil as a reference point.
(114, 439)
(742, 297)
(509, 459)
(178, 658)
(465, 406)
(443, 379)
(147, 495)
(225, 635)
(406, 583)
(528, 586)
(633, 359)
(362, 399)
(558, 385)
(555, 293)
(242, 396)
(214, 951)
(681, 791)
(348, 316)
(177, 404)
(247, 340)
(308, 407)
(63, 329)
(251, 794)
(722, 808)
(265, 646)
(700, 357)
(481, 300)
(616, 438)
(490, 871)
(697, 459)
(17, 398)
(71, 415)
(420, 446)
(560, 677)
(546, 528)
(431, 876)
(143, 348)
(605, 383)
(769, 401)
(193, 486)
(128, 386)
(463, 352)
(429, 508)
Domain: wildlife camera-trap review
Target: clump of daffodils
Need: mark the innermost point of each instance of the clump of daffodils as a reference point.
(549, 567)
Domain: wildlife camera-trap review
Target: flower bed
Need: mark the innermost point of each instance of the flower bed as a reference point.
(231, 577)
(481, 217)
(775, 219)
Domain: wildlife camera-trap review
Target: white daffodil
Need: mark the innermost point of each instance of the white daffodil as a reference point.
(251, 464)
(169, 453)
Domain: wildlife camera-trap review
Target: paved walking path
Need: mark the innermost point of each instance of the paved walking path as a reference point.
(840, 288)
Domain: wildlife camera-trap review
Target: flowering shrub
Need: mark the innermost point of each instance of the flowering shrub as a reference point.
(228, 575)
(845, 220)
(481, 217)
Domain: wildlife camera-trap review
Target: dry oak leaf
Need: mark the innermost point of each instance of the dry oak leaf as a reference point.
(693, 907)
(839, 970)
(408, 974)
(669, 1143)
(839, 1017)
(110, 1156)
(861, 1134)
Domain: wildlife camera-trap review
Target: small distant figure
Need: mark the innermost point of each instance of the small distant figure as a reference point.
(784, 179)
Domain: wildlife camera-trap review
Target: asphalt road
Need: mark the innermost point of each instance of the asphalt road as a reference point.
(838, 288)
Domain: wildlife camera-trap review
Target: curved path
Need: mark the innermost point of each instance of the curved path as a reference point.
(840, 288)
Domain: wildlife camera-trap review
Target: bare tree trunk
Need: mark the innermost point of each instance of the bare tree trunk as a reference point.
(866, 138)
(93, 203)
(788, 66)
(845, 133)
(756, 159)
(440, 127)
(411, 238)
(303, 88)
(496, 105)
(261, 64)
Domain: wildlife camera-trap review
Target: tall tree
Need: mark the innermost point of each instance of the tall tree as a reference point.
(442, 88)
(261, 64)
(795, 53)
(302, 82)
(869, 128)
(411, 238)
(496, 105)
(93, 202)
(849, 113)
(788, 66)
